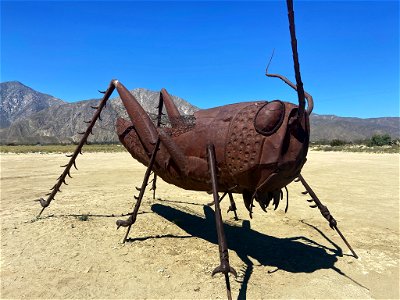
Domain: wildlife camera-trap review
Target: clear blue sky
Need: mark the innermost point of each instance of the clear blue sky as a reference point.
(209, 53)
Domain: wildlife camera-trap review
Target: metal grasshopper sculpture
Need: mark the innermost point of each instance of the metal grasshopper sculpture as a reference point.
(253, 148)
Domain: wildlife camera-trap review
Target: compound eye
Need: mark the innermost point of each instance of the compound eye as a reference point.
(270, 117)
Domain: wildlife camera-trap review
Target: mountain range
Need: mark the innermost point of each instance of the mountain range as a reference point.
(30, 117)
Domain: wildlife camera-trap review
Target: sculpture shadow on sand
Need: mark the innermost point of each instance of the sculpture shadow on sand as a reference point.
(293, 254)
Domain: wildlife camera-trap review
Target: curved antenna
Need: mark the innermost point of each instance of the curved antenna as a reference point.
(310, 100)
(269, 62)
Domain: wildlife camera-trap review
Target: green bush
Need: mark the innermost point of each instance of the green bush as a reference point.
(337, 142)
(83, 218)
(380, 140)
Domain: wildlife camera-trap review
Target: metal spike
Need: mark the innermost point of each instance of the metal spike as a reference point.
(305, 192)
(75, 165)
(48, 194)
(268, 198)
(314, 206)
(64, 166)
(69, 155)
(287, 199)
(81, 132)
(262, 205)
(100, 118)
(69, 175)
(276, 201)
(137, 198)
(138, 188)
(65, 182)
(94, 107)
(101, 92)
(87, 122)
(310, 200)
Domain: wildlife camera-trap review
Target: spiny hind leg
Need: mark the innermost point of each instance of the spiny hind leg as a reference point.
(142, 123)
(72, 162)
(146, 131)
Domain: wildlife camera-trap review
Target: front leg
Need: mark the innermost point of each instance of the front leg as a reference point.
(325, 212)
(132, 218)
(224, 267)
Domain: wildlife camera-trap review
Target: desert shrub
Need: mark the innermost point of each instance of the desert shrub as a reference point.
(83, 218)
(337, 142)
(380, 140)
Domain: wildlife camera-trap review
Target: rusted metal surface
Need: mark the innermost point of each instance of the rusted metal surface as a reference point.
(253, 148)
(246, 158)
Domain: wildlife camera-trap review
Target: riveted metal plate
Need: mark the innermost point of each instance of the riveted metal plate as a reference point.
(244, 143)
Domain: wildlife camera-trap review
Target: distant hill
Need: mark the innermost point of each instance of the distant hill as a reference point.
(19, 101)
(61, 123)
(30, 117)
(329, 127)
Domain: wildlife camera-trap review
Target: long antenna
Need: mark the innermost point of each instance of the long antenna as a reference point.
(300, 89)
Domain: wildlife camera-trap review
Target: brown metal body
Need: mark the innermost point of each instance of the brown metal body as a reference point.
(260, 147)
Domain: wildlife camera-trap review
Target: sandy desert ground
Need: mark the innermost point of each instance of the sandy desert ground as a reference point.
(172, 248)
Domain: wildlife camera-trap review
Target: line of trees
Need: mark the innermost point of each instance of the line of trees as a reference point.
(375, 140)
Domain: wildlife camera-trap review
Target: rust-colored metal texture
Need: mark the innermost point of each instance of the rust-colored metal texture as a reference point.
(259, 148)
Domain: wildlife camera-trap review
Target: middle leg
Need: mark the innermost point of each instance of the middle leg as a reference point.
(224, 267)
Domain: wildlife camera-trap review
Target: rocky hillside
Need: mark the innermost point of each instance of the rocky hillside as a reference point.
(19, 101)
(30, 117)
(329, 127)
(61, 123)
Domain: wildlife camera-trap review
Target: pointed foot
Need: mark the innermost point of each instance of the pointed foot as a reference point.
(125, 223)
(224, 268)
(233, 208)
(43, 202)
(210, 204)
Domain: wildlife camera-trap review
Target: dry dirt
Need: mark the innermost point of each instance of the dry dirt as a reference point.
(172, 249)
